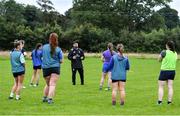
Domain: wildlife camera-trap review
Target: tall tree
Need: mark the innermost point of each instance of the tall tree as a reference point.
(32, 16)
(97, 12)
(115, 14)
(170, 16)
(13, 12)
(46, 7)
(133, 13)
(156, 21)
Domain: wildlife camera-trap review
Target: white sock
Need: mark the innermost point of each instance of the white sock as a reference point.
(11, 94)
(17, 96)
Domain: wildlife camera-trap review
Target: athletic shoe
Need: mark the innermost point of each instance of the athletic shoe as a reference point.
(44, 99)
(50, 101)
(113, 103)
(18, 99)
(23, 87)
(107, 89)
(169, 103)
(100, 88)
(31, 84)
(159, 103)
(10, 97)
(122, 103)
(35, 85)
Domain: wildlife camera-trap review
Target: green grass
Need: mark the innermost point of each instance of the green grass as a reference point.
(141, 91)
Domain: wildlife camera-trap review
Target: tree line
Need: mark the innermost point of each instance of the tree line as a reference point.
(93, 23)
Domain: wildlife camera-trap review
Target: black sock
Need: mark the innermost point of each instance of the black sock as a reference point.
(159, 102)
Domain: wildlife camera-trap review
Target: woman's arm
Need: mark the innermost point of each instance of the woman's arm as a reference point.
(111, 64)
(162, 55)
(61, 56)
(102, 58)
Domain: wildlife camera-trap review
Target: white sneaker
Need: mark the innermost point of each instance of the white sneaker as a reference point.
(18, 99)
(23, 87)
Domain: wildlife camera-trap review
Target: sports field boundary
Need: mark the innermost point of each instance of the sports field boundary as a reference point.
(136, 55)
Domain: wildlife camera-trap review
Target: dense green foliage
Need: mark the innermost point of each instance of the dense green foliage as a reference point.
(93, 23)
(141, 92)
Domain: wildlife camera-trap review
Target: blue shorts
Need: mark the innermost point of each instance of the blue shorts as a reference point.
(167, 75)
(105, 68)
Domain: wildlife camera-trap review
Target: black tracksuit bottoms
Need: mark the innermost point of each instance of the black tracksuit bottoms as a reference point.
(81, 73)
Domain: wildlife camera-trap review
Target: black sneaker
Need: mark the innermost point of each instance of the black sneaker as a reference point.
(113, 103)
(100, 88)
(122, 103)
(169, 103)
(10, 97)
(44, 99)
(159, 102)
(31, 84)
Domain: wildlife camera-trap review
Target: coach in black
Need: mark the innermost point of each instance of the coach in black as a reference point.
(76, 55)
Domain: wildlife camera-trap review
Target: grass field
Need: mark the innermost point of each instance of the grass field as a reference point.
(141, 89)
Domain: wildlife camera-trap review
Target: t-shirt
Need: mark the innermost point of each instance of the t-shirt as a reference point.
(37, 57)
(169, 60)
(107, 56)
(51, 61)
(17, 61)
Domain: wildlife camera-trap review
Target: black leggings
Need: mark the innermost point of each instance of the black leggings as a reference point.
(81, 73)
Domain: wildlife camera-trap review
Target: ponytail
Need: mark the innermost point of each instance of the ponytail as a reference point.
(120, 48)
(110, 47)
(38, 45)
(53, 41)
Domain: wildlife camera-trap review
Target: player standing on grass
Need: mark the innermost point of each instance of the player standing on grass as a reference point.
(37, 62)
(52, 58)
(119, 65)
(18, 70)
(106, 57)
(76, 55)
(22, 43)
(167, 74)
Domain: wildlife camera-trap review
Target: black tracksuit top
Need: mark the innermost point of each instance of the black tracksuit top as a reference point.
(76, 63)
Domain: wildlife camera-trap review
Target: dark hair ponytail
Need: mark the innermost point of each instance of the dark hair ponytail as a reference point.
(171, 45)
(38, 45)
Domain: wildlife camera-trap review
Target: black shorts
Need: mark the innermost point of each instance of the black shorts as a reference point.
(18, 74)
(167, 75)
(114, 81)
(48, 71)
(37, 67)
